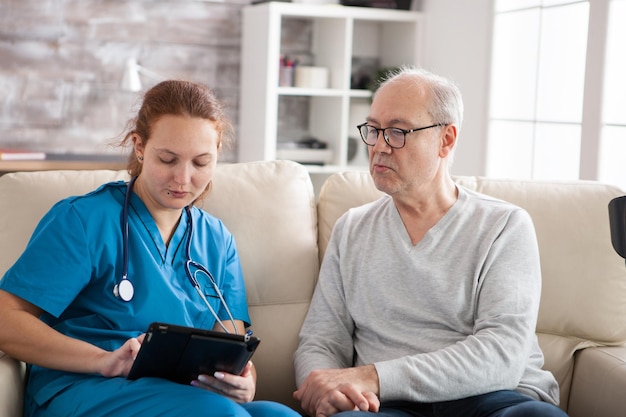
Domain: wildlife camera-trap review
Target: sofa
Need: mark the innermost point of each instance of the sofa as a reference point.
(282, 228)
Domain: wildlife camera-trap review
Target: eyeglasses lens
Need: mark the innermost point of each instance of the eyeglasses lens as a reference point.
(394, 137)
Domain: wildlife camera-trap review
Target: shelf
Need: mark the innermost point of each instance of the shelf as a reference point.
(360, 93)
(48, 165)
(321, 92)
(352, 43)
(331, 169)
(339, 11)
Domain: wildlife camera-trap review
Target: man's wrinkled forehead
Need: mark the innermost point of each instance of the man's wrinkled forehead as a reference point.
(400, 101)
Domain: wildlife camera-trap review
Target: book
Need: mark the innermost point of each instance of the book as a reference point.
(20, 155)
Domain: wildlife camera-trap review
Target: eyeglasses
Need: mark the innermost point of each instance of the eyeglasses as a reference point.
(394, 136)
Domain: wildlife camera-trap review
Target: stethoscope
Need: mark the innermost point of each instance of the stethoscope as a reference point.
(125, 290)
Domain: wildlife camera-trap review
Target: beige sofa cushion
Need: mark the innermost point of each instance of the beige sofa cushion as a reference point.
(599, 381)
(584, 280)
(270, 209)
(11, 383)
(32, 195)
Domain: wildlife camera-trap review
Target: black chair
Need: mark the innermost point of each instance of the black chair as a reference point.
(617, 222)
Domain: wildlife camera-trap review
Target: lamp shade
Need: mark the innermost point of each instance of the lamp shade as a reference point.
(130, 79)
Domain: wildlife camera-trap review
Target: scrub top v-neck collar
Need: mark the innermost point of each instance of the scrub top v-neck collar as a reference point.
(158, 249)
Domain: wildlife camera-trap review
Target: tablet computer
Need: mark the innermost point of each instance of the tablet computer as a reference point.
(180, 353)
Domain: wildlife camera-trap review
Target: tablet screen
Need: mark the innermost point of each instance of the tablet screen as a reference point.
(181, 353)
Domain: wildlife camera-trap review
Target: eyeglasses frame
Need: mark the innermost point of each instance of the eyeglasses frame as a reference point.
(386, 137)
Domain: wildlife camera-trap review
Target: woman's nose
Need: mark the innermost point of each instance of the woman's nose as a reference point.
(182, 174)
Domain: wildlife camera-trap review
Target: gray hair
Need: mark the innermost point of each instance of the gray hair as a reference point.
(447, 102)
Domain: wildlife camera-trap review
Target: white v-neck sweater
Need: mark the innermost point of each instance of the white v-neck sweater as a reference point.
(451, 317)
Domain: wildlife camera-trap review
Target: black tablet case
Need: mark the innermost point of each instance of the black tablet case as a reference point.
(181, 353)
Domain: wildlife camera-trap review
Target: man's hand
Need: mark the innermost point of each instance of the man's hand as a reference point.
(328, 391)
(346, 397)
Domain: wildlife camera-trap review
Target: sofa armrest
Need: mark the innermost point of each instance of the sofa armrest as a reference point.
(599, 383)
(11, 386)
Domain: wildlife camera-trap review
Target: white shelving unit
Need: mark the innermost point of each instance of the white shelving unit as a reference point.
(339, 35)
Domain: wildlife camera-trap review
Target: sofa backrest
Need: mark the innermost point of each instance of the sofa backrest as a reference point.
(270, 209)
(584, 280)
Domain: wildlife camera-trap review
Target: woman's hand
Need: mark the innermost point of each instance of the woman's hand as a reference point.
(119, 362)
(239, 388)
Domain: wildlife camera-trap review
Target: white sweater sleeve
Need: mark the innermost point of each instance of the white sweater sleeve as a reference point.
(326, 334)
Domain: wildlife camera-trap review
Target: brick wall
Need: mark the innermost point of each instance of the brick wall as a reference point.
(61, 64)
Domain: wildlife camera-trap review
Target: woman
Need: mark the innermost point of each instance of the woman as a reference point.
(68, 307)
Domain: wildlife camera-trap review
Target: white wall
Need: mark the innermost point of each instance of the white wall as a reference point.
(458, 46)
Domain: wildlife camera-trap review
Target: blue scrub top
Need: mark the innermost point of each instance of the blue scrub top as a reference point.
(74, 260)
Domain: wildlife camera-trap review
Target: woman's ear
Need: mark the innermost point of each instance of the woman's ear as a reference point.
(138, 145)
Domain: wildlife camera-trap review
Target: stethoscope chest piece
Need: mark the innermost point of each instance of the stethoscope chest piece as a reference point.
(124, 290)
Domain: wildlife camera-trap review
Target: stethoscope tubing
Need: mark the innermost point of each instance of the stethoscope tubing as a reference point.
(125, 227)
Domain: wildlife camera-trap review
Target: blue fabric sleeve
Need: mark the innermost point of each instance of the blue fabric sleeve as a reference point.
(54, 266)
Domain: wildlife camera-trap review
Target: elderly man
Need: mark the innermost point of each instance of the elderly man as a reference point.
(427, 299)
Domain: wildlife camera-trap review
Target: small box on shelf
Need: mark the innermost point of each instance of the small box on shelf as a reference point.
(308, 151)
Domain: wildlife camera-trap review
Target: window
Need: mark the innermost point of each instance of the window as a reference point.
(612, 167)
(544, 121)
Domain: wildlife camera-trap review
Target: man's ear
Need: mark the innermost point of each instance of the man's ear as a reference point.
(448, 140)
